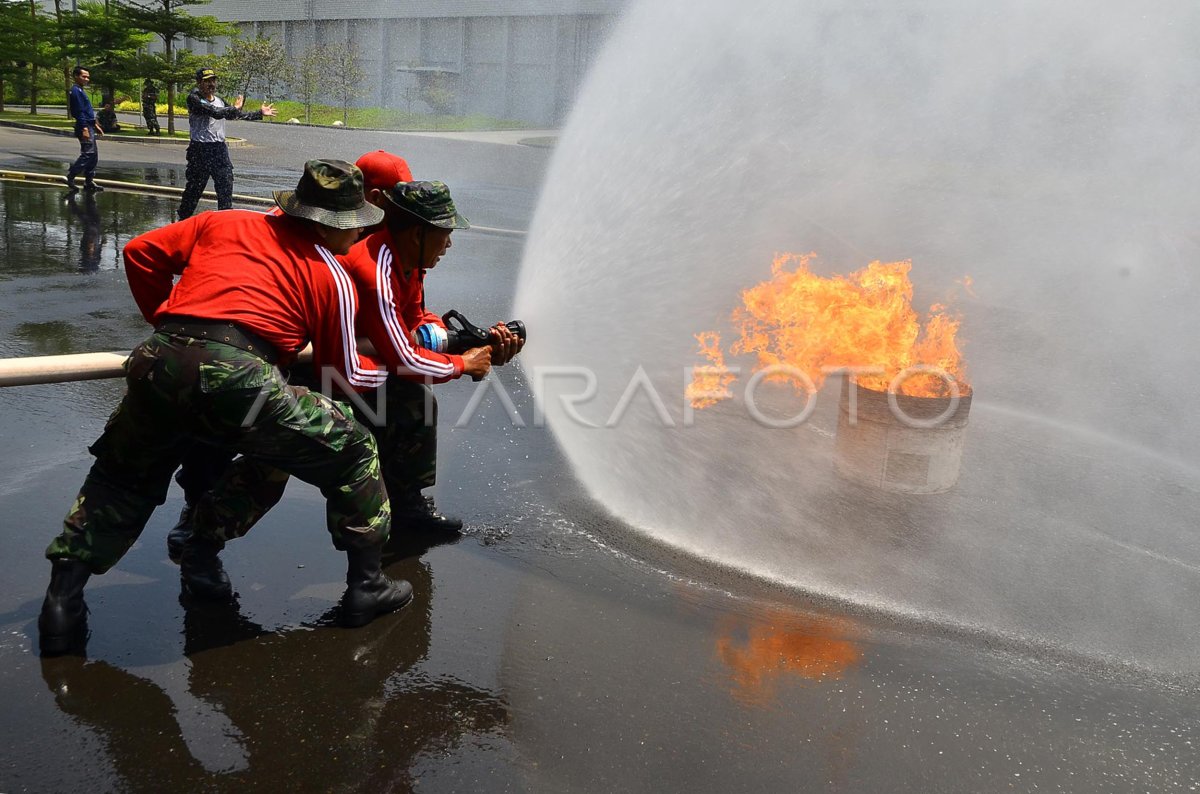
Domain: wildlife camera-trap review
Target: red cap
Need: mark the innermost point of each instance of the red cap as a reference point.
(382, 170)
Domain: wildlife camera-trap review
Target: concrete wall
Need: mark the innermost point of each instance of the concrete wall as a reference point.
(279, 10)
(514, 59)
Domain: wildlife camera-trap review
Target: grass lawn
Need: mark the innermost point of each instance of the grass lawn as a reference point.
(322, 115)
(60, 121)
(363, 118)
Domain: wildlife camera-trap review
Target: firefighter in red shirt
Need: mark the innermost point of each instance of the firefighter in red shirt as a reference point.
(388, 266)
(253, 290)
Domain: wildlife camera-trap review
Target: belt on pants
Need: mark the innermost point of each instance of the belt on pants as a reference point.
(222, 331)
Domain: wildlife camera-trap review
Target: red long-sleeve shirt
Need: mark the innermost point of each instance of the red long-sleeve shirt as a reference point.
(270, 274)
(391, 305)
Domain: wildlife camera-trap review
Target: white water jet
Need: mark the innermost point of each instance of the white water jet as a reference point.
(1046, 150)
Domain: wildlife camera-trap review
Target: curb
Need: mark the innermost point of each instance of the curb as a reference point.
(57, 180)
(21, 125)
(543, 142)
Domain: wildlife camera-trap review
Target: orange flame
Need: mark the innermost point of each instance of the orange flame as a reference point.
(809, 650)
(710, 384)
(801, 321)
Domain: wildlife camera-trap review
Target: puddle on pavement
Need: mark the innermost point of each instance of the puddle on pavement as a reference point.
(44, 230)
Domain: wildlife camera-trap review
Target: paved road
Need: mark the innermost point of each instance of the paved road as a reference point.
(494, 183)
(551, 649)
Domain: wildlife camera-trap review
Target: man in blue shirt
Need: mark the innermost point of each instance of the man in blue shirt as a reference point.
(80, 108)
(207, 153)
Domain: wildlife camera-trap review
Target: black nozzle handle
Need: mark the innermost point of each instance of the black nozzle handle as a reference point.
(465, 326)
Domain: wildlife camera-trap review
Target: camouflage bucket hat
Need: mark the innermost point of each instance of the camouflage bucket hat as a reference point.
(331, 193)
(429, 201)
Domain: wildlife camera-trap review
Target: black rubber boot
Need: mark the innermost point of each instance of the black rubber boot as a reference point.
(368, 592)
(62, 624)
(180, 533)
(201, 571)
(415, 512)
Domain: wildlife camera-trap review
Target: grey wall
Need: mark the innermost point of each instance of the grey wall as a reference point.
(514, 59)
(278, 10)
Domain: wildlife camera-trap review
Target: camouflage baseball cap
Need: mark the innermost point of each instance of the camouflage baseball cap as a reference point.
(330, 192)
(429, 201)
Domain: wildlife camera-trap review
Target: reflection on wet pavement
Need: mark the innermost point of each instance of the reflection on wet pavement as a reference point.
(90, 241)
(46, 230)
(295, 707)
(769, 649)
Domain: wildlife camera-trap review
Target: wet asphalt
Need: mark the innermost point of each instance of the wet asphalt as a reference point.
(549, 649)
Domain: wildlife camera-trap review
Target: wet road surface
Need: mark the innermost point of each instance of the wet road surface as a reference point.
(550, 649)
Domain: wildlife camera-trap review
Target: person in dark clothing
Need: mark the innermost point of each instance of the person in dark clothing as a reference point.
(107, 117)
(86, 131)
(208, 154)
(150, 106)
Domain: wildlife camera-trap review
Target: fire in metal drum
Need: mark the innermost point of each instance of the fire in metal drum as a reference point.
(916, 449)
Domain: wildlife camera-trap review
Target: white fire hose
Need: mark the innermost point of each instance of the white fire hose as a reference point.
(77, 366)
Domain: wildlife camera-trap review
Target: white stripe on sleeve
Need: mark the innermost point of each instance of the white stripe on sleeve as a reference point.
(356, 374)
(396, 332)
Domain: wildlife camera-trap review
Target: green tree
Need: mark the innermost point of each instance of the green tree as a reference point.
(15, 39)
(100, 37)
(169, 20)
(64, 62)
(257, 63)
(435, 87)
(346, 78)
(309, 75)
(39, 48)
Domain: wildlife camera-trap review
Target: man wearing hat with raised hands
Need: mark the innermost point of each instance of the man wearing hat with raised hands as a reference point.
(253, 289)
(208, 153)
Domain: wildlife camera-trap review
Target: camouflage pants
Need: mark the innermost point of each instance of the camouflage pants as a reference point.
(206, 160)
(182, 390)
(402, 416)
(150, 114)
(406, 433)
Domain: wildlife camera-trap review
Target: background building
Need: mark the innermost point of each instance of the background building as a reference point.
(513, 59)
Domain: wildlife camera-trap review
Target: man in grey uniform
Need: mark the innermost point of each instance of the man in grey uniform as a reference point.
(208, 154)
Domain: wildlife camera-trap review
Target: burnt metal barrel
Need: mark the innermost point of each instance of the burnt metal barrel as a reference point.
(900, 443)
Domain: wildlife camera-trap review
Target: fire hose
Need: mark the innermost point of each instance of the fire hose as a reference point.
(35, 370)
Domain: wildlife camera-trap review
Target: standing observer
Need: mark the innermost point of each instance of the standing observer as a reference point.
(86, 131)
(208, 154)
(150, 106)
